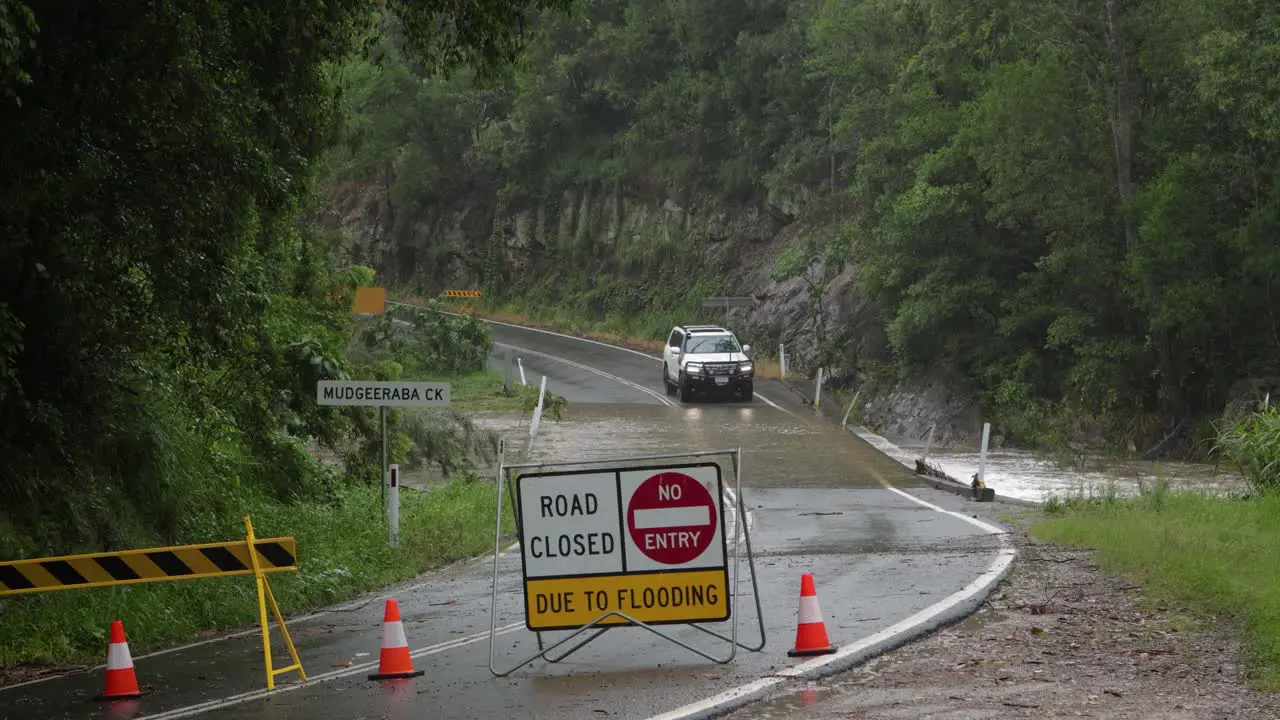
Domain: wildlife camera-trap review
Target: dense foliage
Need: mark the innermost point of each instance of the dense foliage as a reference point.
(1067, 208)
(165, 301)
(1252, 444)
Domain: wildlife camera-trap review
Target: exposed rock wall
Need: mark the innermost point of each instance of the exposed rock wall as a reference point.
(609, 230)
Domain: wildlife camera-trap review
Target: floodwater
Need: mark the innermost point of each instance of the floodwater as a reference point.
(770, 441)
(600, 431)
(592, 431)
(1024, 475)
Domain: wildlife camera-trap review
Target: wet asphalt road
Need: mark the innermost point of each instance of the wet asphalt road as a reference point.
(816, 504)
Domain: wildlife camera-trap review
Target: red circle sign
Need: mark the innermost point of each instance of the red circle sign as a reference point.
(671, 518)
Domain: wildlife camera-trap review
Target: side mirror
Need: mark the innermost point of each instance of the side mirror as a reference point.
(746, 349)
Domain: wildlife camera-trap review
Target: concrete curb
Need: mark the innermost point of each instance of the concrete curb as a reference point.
(952, 486)
(955, 614)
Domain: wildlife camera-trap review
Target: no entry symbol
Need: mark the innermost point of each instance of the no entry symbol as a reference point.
(671, 518)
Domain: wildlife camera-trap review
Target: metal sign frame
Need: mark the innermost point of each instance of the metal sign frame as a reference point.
(741, 537)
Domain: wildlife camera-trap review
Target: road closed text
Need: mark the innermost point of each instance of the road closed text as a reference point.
(565, 506)
(670, 597)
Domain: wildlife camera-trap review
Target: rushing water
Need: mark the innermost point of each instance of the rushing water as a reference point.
(1024, 475)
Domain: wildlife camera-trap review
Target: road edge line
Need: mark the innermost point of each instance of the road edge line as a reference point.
(611, 346)
(607, 376)
(348, 606)
(953, 608)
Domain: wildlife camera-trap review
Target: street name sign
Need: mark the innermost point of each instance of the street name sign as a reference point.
(646, 542)
(728, 302)
(380, 393)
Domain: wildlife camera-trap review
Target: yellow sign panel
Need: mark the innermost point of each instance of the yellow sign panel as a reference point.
(370, 300)
(567, 603)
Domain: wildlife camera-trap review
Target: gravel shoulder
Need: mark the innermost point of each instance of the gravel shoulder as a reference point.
(1057, 638)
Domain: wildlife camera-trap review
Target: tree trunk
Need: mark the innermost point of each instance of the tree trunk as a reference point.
(1122, 122)
(1122, 141)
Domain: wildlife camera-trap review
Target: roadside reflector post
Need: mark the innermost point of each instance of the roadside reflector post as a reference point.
(537, 413)
(393, 506)
(506, 373)
(817, 393)
(852, 402)
(980, 493)
(982, 454)
(782, 360)
(520, 364)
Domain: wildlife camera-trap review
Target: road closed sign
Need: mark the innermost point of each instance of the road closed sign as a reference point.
(646, 542)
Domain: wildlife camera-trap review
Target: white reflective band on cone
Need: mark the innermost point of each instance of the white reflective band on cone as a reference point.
(809, 610)
(118, 657)
(393, 636)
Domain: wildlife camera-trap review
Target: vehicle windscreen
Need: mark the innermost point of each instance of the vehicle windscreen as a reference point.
(712, 344)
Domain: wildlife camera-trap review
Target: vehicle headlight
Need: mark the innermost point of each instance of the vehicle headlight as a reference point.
(694, 368)
(745, 367)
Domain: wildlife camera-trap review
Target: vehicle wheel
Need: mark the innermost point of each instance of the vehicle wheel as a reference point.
(748, 393)
(685, 393)
(666, 381)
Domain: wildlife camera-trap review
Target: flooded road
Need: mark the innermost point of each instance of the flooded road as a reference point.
(1025, 476)
(886, 564)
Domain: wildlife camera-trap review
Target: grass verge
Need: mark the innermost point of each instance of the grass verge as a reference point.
(482, 392)
(342, 553)
(1218, 556)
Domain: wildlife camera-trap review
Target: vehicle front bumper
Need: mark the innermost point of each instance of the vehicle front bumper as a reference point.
(733, 381)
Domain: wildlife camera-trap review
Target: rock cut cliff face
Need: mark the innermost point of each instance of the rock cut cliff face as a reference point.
(607, 230)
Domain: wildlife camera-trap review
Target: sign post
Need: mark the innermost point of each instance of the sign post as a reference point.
(383, 394)
(631, 544)
(727, 303)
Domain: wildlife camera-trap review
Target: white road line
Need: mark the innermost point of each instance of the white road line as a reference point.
(344, 607)
(221, 703)
(587, 368)
(745, 693)
(738, 695)
(579, 339)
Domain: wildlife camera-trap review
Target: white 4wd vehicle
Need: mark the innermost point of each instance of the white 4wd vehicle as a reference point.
(705, 358)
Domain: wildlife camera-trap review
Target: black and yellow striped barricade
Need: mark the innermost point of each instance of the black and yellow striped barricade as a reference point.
(462, 293)
(180, 562)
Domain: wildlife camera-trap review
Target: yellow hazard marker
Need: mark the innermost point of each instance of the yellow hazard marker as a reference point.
(370, 301)
(462, 293)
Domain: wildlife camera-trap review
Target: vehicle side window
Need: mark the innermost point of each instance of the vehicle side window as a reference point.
(674, 340)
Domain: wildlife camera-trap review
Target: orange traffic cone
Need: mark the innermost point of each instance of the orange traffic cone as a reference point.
(811, 631)
(122, 684)
(394, 660)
